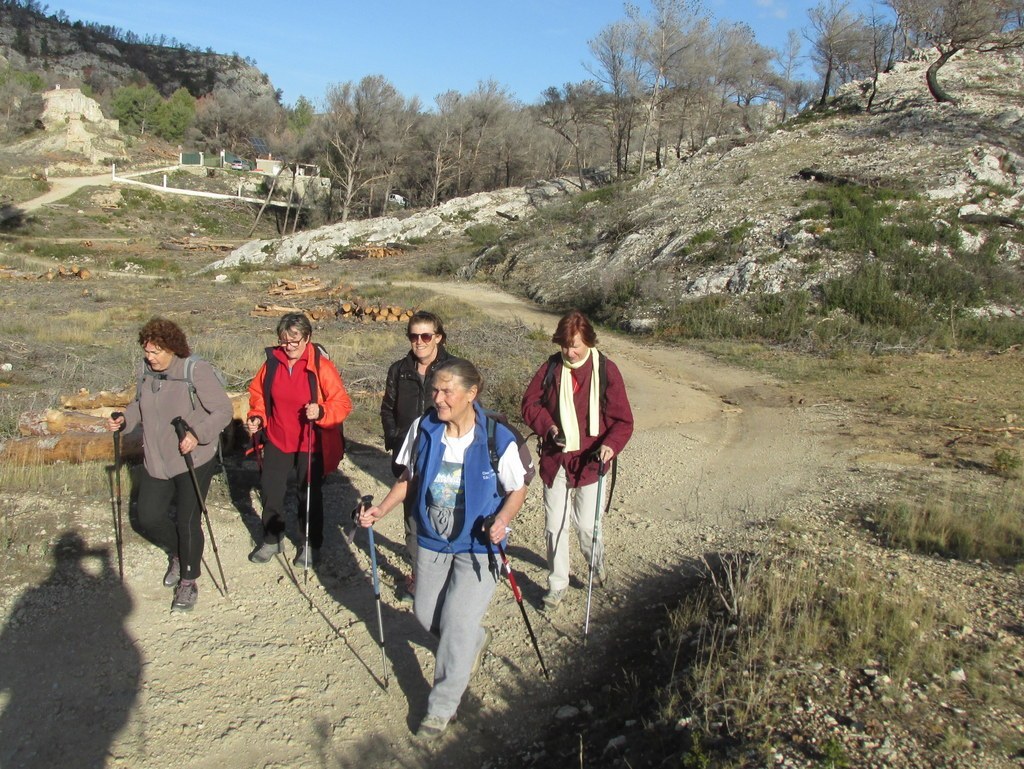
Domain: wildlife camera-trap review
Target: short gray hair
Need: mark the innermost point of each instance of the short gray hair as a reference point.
(467, 374)
(297, 321)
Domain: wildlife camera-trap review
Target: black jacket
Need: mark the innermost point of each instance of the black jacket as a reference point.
(406, 397)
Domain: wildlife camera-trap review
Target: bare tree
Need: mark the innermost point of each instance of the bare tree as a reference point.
(833, 37)
(569, 112)
(355, 125)
(618, 67)
(663, 39)
(952, 26)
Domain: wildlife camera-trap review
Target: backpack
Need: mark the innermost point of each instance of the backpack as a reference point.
(190, 366)
(492, 418)
(319, 353)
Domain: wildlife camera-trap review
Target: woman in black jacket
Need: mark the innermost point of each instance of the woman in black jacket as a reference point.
(406, 398)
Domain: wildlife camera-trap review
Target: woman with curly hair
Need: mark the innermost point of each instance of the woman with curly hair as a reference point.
(164, 394)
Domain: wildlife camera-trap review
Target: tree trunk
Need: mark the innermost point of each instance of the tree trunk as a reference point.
(931, 77)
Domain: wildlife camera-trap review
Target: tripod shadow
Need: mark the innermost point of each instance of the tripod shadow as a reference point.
(68, 666)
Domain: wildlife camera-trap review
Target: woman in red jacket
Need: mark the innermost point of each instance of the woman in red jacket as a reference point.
(577, 403)
(299, 401)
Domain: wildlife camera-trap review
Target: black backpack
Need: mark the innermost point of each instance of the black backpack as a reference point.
(319, 353)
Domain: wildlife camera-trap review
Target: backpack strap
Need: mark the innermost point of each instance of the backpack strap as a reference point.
(492, 449)
(268, 380)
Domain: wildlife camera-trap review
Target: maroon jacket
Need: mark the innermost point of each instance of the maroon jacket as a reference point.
(540, 412)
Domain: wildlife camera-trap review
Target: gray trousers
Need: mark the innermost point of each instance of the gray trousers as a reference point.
(565, 508)
(453, 592)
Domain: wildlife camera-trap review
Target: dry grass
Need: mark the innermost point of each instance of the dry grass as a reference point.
(745, 640)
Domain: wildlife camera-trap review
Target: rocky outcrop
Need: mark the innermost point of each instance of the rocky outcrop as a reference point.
(80, 54)
(451, 218)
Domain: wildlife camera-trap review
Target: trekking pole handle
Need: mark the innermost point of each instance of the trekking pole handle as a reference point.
(180, 427)
(115, 415)
(365, 501)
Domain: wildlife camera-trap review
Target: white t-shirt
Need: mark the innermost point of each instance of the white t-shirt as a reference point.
(511, 472)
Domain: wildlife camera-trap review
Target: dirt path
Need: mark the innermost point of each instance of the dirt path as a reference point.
(62, 186)
(285, 672)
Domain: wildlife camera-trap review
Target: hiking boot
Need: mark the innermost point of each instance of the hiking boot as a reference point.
(553, 598)
(603, 577)
(432, 727)
(265, 552)
(173, 573)
(300, 557)
(185, 595)
(488, 637)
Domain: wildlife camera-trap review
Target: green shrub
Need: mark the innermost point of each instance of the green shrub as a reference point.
(483, 235)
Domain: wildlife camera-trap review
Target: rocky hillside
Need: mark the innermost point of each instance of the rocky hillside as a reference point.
(75, 54)
(731, 219)
(964, 163)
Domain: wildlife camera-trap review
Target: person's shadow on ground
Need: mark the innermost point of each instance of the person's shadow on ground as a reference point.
(69, 670)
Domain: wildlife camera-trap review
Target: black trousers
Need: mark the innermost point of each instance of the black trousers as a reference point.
(277, 466)
(180, 535)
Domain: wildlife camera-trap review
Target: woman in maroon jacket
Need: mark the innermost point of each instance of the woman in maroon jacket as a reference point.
(577, 403)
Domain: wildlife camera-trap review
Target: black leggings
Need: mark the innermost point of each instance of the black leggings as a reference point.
(182, 534)
(277, 466)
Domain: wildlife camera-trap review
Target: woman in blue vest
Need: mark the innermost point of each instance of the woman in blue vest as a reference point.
(449, 476)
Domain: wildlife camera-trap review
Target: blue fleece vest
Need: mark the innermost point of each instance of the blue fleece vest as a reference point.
(478, 478)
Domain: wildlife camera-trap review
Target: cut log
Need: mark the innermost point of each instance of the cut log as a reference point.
(73, 448)
(86, 400)
(55, 421)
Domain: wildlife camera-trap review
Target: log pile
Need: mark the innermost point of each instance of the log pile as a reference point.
(372, 252)
(78, 432)
(357, 309)
(349, 309)
(74, 272)
(194, 244)
(277, 310)
(285, 287)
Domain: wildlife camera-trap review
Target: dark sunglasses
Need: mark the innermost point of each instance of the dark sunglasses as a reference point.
(425, 337)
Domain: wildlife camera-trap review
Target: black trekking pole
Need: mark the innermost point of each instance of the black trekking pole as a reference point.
(118, 531)
(507, 567)
(601, 470)
(181, 427)
(364, 502)
(309, 493)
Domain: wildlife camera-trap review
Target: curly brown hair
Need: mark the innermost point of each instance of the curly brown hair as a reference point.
(165, 334)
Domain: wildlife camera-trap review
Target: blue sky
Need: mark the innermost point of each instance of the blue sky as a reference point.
(422, 47)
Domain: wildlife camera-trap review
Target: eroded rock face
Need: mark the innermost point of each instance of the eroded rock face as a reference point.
(451, 218)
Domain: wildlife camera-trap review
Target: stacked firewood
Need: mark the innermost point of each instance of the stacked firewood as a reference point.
(372, 252)
(73, 271)
(367, 312)
(277, 310)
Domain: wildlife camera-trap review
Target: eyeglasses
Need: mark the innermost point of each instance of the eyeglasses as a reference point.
(291, 342)
(425, 337)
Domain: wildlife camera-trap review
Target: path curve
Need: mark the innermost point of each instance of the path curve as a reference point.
(286, 672)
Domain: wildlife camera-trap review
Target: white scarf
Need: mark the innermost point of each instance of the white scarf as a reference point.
(567, 406)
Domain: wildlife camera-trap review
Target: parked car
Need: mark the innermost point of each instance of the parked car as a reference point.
(239, 165)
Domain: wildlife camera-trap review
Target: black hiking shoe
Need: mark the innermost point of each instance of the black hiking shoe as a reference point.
(185, 595)
(265, 552)
(173, 573)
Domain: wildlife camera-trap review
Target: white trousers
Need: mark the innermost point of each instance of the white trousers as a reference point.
(565, 507)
